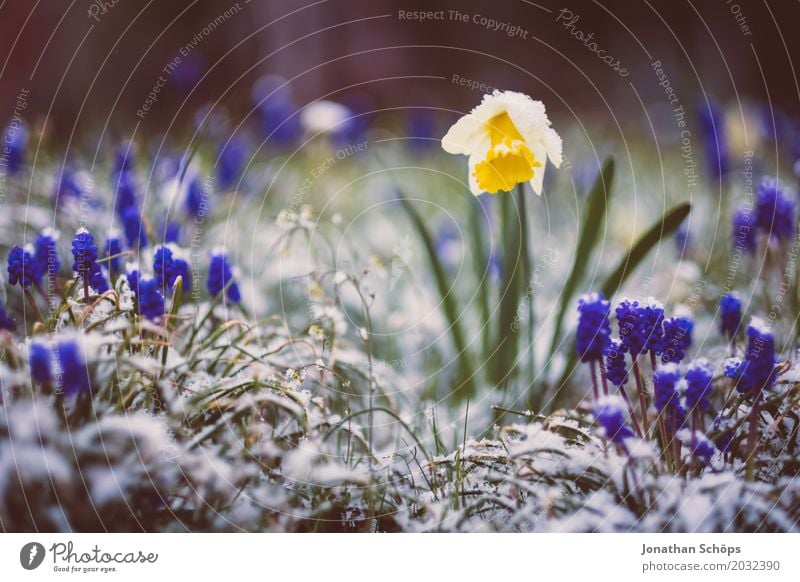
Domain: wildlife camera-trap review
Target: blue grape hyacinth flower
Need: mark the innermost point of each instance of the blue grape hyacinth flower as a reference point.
(665, 382)
(151, 301)
(6, 322)
(45, 255)
(74, 376)
(220, 275)
(230, 161)
(640, 325)
(730, 313)
(594, 328)
(712, 126)
(758, 369)
(677, 338)
(616, 370)
(112, 252)
(84, 253)
(163, 267)
(21, 267)
(775, 212)
(698, 384)
(40, 356)
(610, 415)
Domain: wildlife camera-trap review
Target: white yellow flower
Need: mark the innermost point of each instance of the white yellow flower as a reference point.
(508, 139)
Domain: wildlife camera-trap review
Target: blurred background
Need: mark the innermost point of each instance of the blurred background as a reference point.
(91, 64)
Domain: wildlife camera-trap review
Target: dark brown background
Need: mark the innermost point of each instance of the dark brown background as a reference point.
(112, 64)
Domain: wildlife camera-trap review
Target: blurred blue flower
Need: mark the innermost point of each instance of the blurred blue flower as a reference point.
(74, 376)
(40, 357)
(230, 161)
(113, 252)
(698, 384)
(5, 321)
(665, 381)
(180, 268)
(220, 273)
(702, 448)
(151, 301)
(730, 313)
(734, 368)
(723, 430)
(67, 186)
(21, 267)
(610, 415)
(775, 212)
(45, 255)
(594, 329)
(712, 127)
(134, 228)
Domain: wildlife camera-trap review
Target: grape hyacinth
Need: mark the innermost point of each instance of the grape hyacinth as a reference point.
(698, 385)
(180, 268)
(775, 212)
(640, 325)
(665, 381)
(758, 369)
(734, 368)
(220, 275)
(712, 126)
(40, 357)
(230, 161)
(677, 338)
(594, 329)
(616, 371)
(730, 313)
(74, 376)
(112, 252)
(593, 333)
(163, 267)
(702, 448)
(84, 253)
(45, 255)
(6, 322)
(21, 267)
(151, 301)
(133, 226)
(610, 415)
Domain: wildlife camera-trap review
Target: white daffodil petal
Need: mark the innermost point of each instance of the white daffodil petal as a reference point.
(464, 137)
(540, 155)
(553, 145)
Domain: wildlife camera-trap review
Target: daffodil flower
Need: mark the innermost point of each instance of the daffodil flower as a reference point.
(508, 139)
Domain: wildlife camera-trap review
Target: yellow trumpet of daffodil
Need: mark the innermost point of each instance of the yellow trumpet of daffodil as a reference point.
(508, 139)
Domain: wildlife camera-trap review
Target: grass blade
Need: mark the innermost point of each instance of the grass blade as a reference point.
(465, 387)
(668, 224)
(593, 219)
